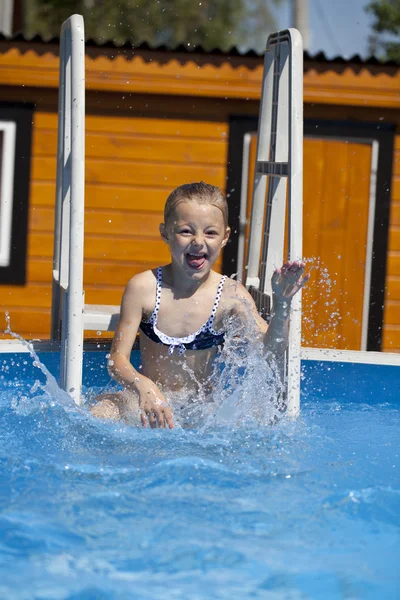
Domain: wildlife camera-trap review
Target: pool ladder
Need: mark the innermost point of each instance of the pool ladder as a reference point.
(69, 315)
(277, 181)
(278, 190)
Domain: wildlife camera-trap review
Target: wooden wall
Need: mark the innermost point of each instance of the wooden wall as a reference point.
(177, 131)
(131, 166)
(391, 329)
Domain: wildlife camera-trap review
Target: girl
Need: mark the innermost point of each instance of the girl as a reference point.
(182, 309)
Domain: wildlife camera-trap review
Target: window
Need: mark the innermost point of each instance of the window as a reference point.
(7, 159)
(15, 156)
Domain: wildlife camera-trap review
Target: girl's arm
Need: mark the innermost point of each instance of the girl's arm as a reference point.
(286, 282)
(152, 401)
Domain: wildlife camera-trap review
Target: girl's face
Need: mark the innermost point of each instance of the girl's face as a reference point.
(195, 234)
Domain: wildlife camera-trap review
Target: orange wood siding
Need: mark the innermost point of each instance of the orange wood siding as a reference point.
(131, 166)
(152, 72)
(391, 328)
(335, 222)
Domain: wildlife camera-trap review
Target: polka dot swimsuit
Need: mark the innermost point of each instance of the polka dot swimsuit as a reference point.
(205, 337)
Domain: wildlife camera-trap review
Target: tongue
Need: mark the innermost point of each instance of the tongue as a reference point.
(196, 262)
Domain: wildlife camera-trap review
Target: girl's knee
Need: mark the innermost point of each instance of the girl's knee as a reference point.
(105, 409)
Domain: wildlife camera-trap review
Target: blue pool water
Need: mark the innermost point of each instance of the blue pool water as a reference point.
(304, 509)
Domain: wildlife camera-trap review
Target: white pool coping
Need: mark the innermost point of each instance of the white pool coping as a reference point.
(314, 354)
(351, 356)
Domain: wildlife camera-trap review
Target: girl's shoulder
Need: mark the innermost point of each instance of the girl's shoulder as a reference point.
(238, 302)
(235, 295)
(141, 290)
(143, 282)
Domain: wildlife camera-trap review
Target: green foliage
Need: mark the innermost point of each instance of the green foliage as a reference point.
(387, 22)
(209, 23)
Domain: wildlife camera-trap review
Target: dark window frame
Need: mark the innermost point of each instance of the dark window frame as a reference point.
(382, 132)
(22, 115)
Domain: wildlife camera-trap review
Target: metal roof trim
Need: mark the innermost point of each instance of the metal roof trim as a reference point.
(319, 57)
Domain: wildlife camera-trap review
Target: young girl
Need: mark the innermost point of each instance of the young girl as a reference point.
(181, 311)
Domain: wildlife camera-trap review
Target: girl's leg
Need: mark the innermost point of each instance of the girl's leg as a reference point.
(116, 406)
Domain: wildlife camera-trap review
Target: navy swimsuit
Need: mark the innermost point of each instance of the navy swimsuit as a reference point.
(205, 337)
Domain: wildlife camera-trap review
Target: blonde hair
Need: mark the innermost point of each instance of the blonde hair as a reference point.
(201, 192)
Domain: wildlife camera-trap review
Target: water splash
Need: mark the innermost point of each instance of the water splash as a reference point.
(53, 394)
(249, 388)
(245, 388)
(318, 331)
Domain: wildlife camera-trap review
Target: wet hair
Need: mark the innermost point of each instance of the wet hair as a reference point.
(201, 192)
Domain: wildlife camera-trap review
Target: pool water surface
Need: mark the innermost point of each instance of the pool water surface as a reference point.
(92, 510)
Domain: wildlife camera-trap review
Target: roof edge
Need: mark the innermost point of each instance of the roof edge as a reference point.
(234, 51)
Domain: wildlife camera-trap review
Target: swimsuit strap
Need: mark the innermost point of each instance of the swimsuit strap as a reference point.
(210, 321)
(158, 292)
(153, 317)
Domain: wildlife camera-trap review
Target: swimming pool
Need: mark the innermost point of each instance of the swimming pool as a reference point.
(305, 509)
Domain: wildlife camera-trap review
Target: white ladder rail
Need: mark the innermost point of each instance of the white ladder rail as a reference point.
(67, 295)
(279, 157)
(69, 315)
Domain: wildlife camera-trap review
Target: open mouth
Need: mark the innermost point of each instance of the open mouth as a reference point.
(196, 261)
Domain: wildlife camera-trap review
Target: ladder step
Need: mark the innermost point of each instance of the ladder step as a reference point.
(100, 317)
(269, 167)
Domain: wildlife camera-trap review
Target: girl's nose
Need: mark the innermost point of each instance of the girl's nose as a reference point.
(198, 240)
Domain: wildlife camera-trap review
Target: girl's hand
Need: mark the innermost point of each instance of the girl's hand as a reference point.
(154, 407)
(288, 280)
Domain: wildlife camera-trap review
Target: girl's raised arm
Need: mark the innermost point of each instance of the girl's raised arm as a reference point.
(286, 282)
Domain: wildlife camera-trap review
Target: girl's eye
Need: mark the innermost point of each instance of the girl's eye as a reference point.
(212, 233)
(185, 231)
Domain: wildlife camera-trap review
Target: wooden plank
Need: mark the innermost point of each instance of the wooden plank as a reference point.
(393, 263)
(392, 288)
(391, 338)
(392, 312)
(106, 196)
(105, 248)
(39, 295)
(95, 272)
(31, 323)
(39, 270)
(132, 147)
(394, 239)
(141, 126)
(134, 172)
(391, 343)
(395, 214)
(100, 221)
(396, 187)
